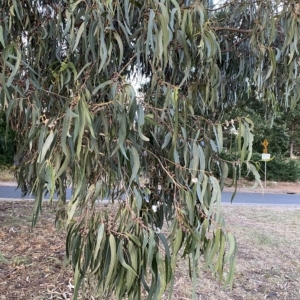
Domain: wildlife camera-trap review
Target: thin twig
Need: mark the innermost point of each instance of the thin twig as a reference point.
(55, 94)
(233, 29)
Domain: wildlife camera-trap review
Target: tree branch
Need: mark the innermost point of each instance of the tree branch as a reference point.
(234, 45)
(233, 29)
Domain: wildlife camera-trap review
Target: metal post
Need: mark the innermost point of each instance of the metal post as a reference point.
(265, 173)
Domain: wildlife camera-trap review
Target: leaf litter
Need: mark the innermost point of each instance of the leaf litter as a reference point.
(268, 265)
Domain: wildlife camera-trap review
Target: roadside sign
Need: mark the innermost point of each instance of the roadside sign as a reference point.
(265, 156)
(265, 144)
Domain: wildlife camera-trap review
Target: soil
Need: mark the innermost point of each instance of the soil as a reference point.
(35, 269)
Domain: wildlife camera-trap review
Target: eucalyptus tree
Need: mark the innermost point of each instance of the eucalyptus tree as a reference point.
(292, 118)
(67, 69)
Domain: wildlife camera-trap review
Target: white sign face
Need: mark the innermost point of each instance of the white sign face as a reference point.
(265, 156)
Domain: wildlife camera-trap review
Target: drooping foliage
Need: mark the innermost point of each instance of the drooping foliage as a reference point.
(67, 69)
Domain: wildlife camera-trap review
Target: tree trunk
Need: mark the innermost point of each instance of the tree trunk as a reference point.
(292, 142)
(291, 149)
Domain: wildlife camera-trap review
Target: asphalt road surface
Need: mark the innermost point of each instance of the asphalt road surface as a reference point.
(10, 192)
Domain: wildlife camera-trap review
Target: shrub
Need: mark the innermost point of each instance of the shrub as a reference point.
(278, 169)
(283, 170)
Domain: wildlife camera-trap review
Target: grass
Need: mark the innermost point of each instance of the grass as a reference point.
(20, 260)
(7, 173)
(268, 265)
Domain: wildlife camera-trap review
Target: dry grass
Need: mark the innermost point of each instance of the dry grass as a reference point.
(268, 264)
(7, 174)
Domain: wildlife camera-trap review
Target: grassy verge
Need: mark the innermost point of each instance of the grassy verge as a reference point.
(268, 265)
(7, 173)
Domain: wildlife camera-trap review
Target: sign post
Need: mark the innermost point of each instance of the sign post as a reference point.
(265, 156)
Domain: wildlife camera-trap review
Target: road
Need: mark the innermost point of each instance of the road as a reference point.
(262, 199)
(10, 192)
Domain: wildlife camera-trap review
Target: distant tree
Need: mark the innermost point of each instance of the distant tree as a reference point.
(276, 131)
(66, 73)
(292, 117)
(7, 142)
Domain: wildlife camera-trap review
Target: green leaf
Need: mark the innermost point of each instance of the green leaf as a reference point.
(15, 68)
(122, 259)
(232, 256)
(190, 207)
(99, 239)
(151, 247)
(213, 146)
(2, 37)
(139, 200)
(117, 37)
(149, 41)
(224, 168)
(65, 164)
(78, 280)
(136, 3)
(122, 136)
(46, 146)
(195, 161)
(141, 120)
(215, 246)
(133, 254)
(232, 246)
(71, 210)
(166, 140)
(220, 261)
(166, 246)
(113, 260)
(50, 180)
(78, 35)
(176, 246)
(134, 239)
(3, 259)
(101, 86)
(220, 138)
(136, 164)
